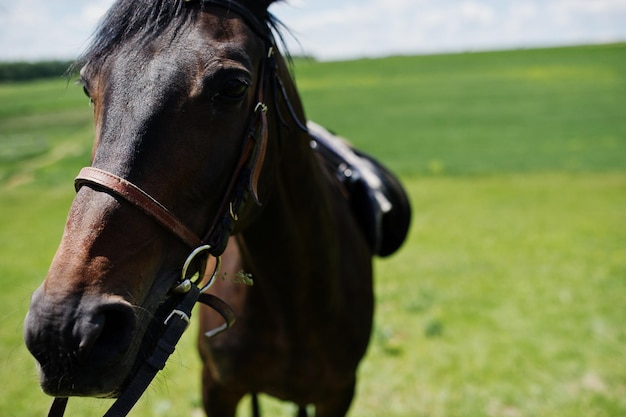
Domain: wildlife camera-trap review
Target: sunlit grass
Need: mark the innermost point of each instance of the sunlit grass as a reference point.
(507, 298)
(483, 113)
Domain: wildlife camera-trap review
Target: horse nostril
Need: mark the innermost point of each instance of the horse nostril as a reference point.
(105, 335)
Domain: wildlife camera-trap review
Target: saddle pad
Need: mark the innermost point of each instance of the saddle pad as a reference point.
(378, 200)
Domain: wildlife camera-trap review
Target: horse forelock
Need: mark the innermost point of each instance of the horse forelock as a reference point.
(145, 20)
(133, 19)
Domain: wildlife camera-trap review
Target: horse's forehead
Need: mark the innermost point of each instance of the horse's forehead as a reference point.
(141, 84)
(205, 40)
(175, 63)
(208, 36)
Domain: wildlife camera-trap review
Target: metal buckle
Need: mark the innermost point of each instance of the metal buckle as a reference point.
(183, 316)
(261, 106)
(231, 211)
(183, 288)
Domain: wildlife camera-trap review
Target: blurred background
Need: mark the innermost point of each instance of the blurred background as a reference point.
(504, 119)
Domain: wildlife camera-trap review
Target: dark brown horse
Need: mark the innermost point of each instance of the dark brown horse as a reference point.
(196, 115)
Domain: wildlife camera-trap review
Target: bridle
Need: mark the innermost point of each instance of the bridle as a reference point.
(243, 183)
(244, 178)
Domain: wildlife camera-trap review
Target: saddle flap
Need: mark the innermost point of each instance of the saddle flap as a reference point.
(377, 198)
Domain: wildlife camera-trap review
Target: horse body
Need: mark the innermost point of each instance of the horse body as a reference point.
(171, 104)
(305, 324)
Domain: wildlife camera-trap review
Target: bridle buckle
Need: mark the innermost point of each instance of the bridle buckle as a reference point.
(183, 316)
(186, 282)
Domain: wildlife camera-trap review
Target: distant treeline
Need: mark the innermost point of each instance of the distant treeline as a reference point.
(24, 71)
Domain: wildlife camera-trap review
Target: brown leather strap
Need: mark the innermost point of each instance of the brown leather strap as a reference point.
(252, 158)
(222, 309)
(136, 196)
(247, 158)
(260, 146)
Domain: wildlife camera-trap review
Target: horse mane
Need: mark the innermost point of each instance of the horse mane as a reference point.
(145, 20)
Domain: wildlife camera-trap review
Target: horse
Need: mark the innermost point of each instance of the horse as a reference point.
(201, 145)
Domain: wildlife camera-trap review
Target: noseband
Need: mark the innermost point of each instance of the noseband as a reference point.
(243, 182)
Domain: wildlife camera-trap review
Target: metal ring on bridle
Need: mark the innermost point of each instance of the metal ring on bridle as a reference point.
(218, 264)
(192, 256)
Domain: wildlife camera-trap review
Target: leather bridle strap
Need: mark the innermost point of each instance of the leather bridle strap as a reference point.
(252, 157)
(135, 195)
(175, 325)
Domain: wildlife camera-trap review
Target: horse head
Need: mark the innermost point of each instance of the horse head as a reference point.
(177, 90)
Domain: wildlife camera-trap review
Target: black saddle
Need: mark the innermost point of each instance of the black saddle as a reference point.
(378, 200)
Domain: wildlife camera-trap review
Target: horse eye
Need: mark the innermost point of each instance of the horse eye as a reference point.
(233, 90)
(86, 91)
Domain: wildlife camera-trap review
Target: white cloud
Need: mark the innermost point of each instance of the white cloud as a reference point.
(382, 27)
(41, 29)
(331, 29)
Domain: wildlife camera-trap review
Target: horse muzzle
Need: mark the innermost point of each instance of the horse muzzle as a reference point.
(83, 344)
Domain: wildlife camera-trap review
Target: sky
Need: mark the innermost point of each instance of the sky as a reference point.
(346, 29)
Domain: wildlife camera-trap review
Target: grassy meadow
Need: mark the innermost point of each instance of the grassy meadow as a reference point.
(507, 300)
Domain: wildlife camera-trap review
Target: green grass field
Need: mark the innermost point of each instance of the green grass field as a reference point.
(507, 299)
